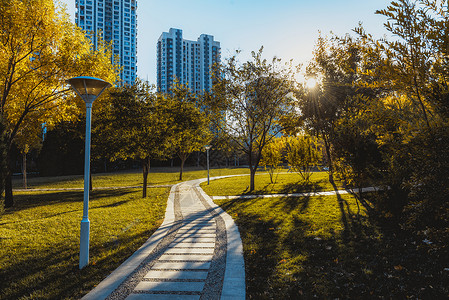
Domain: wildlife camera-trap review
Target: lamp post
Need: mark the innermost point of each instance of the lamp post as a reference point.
(89, 89)
(207, 152)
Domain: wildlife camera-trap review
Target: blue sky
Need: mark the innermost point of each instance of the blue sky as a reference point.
(286, 28)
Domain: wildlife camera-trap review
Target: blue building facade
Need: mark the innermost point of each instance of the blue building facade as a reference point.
(188, 61)
(116, 21)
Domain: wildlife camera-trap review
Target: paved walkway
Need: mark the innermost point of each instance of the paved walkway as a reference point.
(195, 254)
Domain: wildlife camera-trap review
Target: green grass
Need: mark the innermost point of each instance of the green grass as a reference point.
(283, 183)
(281, 239)
(318, 247)
(157, 176)
(39, 236)
(40, 240)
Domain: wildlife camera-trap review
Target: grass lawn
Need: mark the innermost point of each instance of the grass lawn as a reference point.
(318, 247)
(157, 176)
(40, 240)
(39, 236)
(283, 183)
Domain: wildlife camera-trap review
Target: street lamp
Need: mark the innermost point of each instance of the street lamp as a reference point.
(89, 89)
(207, 151)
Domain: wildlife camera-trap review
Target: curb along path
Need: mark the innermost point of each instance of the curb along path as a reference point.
(195, 254)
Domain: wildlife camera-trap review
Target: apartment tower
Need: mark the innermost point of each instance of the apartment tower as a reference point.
(116, 21)
(188, 61)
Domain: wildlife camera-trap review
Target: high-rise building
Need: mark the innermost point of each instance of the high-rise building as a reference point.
(116, 21)
(189, 62)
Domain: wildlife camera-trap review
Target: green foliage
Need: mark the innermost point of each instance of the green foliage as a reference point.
(253, 96)
(303, 153)
(133, 122)
(190, 126)
(272, 156)
(63, 150)
(378, 105)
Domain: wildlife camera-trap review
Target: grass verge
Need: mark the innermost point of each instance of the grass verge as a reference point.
(157, 176)
(40, 240)
(318, 247)
(284, 183)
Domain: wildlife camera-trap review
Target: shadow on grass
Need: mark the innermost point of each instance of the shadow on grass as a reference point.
(369, 259)
(54, 273)
(303, 187)
(32, 200)
(289, 188)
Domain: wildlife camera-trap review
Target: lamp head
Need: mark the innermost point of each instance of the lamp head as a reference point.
(88, 88)
(208, 147)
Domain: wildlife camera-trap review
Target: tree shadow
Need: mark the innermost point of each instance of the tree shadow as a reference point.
(53, 273)
(32, 200)
(341, 204)
(292, 203)
(303, 187)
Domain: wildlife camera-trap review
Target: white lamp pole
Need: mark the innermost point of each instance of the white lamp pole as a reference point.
(207, 151)
(89, 89)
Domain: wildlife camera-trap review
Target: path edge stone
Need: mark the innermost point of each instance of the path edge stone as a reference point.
(110, 283)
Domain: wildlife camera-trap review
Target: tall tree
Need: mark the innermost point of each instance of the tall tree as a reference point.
(272, 156)
(190, 129)
(39, 49)
(133, 123)
(249, 101)
(303, 154)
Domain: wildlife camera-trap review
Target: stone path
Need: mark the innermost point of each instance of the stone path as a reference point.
(196, 254)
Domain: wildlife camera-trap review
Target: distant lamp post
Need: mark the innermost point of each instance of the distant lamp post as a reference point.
(207, 151)
(89, 89)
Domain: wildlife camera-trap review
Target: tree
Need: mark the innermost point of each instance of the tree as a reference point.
(190, 127)
(133, 123)
(303, 154)
(272, 156)
(29, 137)
(249, 100)
(39, 49)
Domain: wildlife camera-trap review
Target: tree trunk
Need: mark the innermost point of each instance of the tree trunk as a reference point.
(329, 159)
(9, 200)
(145, 171)
(252, 177)
(183, 160)
(24, 169)
(198, 159)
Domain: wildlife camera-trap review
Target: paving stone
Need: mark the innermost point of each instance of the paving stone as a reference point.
(194, 240)
(193, 257)
(170, 286)
(162, 297)
(199, 226)
(197, 230)
(185, 244)
(190, 250)
(164, 274)
(195, 235)
(184, 265)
